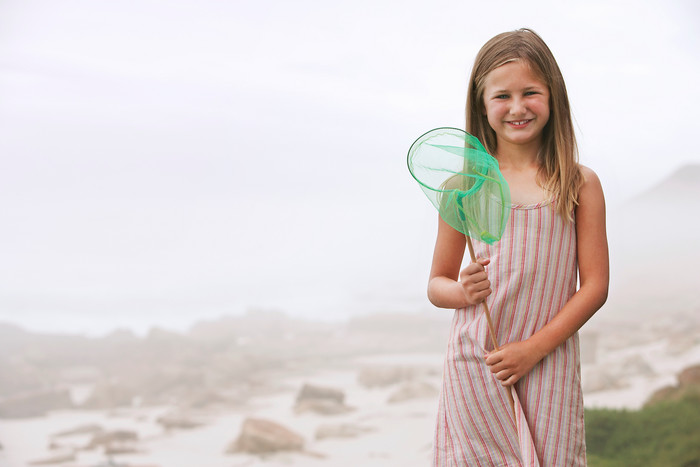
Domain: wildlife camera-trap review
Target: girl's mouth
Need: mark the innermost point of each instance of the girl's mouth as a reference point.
(519, 123)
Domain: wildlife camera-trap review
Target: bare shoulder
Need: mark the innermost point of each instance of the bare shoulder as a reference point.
(589, 175)
(591, 188)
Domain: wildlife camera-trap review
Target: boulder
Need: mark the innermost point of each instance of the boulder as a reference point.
(321, 400)
(260, 436)
(309, 391)
(413, 390)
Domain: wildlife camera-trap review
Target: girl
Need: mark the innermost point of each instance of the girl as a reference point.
(518, 107)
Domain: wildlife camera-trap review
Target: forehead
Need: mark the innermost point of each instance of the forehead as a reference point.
(515, 74)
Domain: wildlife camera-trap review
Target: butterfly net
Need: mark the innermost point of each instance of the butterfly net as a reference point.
(462, 181)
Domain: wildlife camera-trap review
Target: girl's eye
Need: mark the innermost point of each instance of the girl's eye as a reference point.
(502, 96)
(531, 93)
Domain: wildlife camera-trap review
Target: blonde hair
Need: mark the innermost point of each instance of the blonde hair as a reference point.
(559, 172)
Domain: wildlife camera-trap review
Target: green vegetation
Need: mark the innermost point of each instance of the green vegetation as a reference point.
(665, 434)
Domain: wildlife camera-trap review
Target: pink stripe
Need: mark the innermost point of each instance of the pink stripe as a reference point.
(457, 372)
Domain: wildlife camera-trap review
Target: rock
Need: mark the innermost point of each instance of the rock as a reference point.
(413, 390)
(343, 430)
(663, 394)
(322, 407)
(688, 383)
(90, 429)
(204, 398)
(309, 391)
(122, 449)
(175, 421)
(380, 376)
(57, 459)
(321, 400)
(35, 404)
(260, 436)
(108, 395)
(690, 376)
(113, 439)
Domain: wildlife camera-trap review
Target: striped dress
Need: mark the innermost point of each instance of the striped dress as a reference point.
(533, 274)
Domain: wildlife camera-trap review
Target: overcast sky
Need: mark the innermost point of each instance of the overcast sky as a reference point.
(169, 161)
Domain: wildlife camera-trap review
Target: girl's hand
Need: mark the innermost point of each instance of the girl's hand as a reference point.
(512, 361)
(474, 281)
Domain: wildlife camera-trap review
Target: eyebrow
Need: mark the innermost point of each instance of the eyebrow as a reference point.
(528, 88)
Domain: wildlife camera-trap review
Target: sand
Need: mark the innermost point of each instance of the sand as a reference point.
(398, 434)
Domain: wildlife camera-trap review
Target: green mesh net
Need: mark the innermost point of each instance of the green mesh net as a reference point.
(462, 181)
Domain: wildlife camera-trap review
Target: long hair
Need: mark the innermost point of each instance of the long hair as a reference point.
(559, 172)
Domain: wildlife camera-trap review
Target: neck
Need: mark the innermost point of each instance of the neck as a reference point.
(517, 156)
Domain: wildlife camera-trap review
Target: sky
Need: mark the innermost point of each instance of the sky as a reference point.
(165, 162)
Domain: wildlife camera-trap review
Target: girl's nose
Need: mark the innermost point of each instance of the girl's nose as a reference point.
(517, 106)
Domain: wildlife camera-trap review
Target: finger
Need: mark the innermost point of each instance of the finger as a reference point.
(511, 380)
(483, 261)
(481, 294)
(471, 269)
(474, 278)
(493, 358)
(503, 375)
(481, 285)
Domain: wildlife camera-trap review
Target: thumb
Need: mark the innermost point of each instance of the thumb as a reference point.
(483, 261)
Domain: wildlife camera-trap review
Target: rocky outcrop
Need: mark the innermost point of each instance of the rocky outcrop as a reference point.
(688, 384)
(690, 377)
(260, 436)
(321, 400)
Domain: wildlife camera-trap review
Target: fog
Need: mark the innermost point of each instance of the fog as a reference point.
(166, 163)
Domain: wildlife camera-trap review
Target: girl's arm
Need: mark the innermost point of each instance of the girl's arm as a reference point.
(447, 287)
(514, 360)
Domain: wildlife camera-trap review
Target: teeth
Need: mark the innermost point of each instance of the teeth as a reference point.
(521, 122)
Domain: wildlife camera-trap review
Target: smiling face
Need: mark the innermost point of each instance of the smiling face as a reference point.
(516, 104)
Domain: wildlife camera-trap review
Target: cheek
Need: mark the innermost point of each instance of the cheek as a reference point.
(545, 111)
(494, 110)
(542, 108)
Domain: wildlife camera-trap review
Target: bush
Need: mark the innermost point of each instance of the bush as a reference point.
(666, 434)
